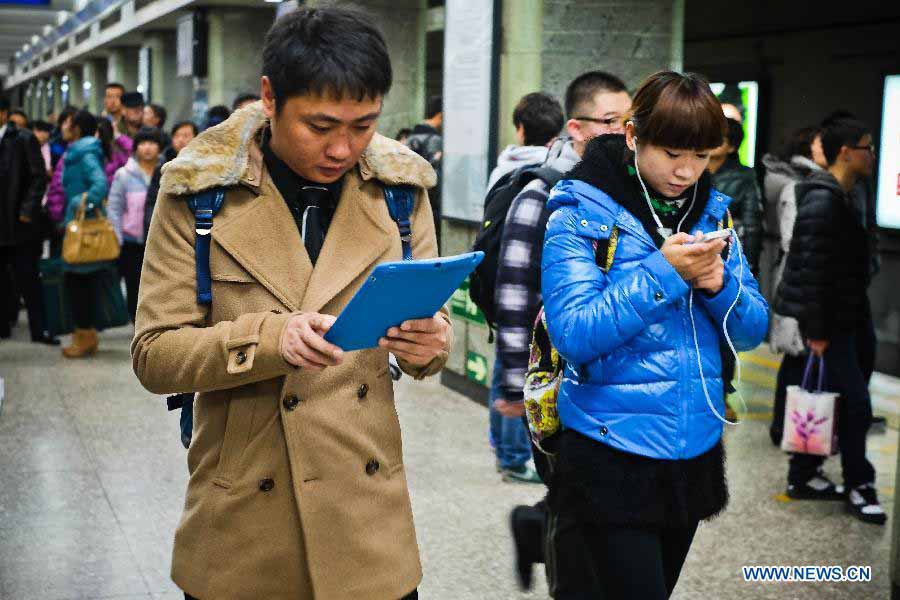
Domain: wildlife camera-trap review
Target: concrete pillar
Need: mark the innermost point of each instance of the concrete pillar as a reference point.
(54, 99)
(235, 52)
(631, 39)
(29, 100)
(37, 99)
(520, 60)
(167, 89)
(76, 89)
(93, 83)
(122, 67)
(404, 26)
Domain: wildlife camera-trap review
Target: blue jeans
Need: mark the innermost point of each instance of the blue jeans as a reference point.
(509, 435)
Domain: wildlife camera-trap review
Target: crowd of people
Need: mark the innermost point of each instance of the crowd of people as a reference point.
(619, 329)
(611, 202)
(107, 164)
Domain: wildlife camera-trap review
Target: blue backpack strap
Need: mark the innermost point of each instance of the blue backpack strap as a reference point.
(204, 205)
(400, 201)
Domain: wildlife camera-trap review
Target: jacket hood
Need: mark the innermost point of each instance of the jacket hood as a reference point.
(604, 166)
(821, 179)
(562, 156)
(778, 175)
(220, 157)
(78, 149)
(514, 157)
(804, 165)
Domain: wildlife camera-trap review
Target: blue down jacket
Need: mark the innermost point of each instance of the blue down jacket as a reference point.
(632, 380)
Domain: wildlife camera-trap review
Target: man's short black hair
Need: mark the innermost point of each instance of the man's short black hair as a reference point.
(160, 113)
(4, 103)
(541, 116)
(587, 85)
(85, 122)
(216, 115)
(326, 51)
(147, 134)
(839, 133)
(241, 98)
(115, 84)
(42, 126)
(735, 133)
(181, 124)
(434, 107)
(132, 99)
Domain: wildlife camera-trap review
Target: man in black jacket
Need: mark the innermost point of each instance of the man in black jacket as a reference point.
(824, 287)
(23, 180)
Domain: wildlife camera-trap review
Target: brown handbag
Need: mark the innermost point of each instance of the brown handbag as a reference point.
(89, 240)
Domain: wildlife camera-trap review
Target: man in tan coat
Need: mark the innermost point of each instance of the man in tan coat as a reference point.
(297, 488)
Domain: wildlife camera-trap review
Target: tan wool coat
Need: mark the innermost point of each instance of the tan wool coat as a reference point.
(297, 488)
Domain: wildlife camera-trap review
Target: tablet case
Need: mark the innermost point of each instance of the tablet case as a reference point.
(396, 292)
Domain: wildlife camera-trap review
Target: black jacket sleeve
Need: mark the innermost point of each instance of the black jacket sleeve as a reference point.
(805, 285)
(150, 204)
(748, 214)
(30, 207)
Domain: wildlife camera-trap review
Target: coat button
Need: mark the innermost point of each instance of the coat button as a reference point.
(604, 430)
(658, 296)
(240, 358)
(604, 227)
(291, 402)
(584, 223)
(266, 485)
(362, 391)
(372, 467)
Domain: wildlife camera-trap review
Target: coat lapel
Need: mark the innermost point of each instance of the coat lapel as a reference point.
(265, 241)
(360, 232)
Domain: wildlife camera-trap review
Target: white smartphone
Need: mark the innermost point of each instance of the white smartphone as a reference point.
(719, 234)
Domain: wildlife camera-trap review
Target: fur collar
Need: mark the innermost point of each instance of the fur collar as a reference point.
(221, 157)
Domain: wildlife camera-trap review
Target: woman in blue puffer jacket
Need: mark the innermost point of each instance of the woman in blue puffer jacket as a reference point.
(640, 458)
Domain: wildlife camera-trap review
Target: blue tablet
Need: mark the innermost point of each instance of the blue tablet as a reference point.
(396, 292)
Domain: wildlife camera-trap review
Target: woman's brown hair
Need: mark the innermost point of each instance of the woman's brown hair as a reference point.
(678, 111)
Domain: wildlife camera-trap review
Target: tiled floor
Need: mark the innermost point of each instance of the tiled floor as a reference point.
(92, 477)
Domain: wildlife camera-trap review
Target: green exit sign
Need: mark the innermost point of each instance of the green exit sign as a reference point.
(476, 367)
(462, 306)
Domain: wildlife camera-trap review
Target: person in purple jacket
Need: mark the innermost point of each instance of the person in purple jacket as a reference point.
(116, 149)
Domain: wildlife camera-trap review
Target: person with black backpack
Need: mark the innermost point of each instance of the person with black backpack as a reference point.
(538, 117)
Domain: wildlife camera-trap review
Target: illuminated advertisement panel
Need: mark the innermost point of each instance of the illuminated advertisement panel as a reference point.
(889, 156)
(745, 96)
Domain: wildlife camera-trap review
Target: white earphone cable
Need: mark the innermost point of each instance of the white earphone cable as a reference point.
(737, 242)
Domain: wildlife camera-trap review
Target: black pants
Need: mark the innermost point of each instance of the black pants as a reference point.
(130, 262)
(586, 561)
(414, 595)
(21, 262)
(789, 373)
(83, 292)
(849, 362)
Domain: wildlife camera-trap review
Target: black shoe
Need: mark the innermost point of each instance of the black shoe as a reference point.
(862, 503)
(527, 542)
(45, 338)
(818, 487)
